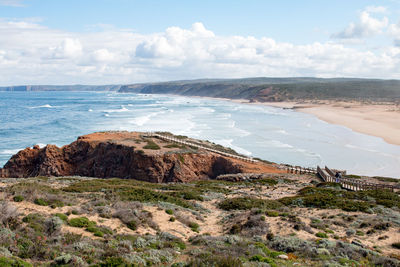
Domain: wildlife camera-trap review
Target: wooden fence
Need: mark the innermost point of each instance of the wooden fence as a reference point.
(328, 175)
(297, 169)
(179, 141)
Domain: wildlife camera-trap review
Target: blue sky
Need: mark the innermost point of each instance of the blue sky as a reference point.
(285, 20)
(68, 30)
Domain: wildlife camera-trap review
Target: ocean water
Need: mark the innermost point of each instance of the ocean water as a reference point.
(274, 134)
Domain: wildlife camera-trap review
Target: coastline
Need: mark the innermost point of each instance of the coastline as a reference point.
(375, 119)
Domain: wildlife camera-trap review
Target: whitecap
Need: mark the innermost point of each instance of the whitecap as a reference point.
(41, 145)
(90, 110)
(228, 143)
(10, 151)
(122, 109)
(43, 106)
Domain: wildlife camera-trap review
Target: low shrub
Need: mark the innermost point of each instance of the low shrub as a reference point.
(40, 202)
(260, 258)
(321, 235)
(132, 225)
(169, 211)
(241, 203)
(80, 222)
(396, 245)
(13, 262)
(151, 145)
(272, 213)
(194, 226)
(215, 260)
(62, 216)
(18, 198)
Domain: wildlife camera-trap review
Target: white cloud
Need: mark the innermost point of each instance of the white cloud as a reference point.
(394, 31)
(34, 54)
(69, 48)
(367, 26)
(376, 9)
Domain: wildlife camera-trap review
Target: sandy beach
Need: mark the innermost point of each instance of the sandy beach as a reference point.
(376, 119)
(381, 120)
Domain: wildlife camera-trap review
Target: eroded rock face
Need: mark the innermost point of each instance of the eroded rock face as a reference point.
(106, 158)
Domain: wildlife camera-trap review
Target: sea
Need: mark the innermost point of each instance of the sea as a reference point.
(274, 134)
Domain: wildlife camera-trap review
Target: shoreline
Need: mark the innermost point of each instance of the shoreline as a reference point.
(381, 120)
(378, 119)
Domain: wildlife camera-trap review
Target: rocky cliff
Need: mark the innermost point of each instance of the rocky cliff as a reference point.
(123, 155)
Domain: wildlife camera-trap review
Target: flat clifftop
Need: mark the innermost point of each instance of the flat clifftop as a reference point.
(130, 155)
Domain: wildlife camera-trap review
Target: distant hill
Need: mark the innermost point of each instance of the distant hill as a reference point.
(61, 88)
(255, 89)
(278, 89)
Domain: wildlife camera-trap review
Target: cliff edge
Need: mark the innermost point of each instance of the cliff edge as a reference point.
(128, 155)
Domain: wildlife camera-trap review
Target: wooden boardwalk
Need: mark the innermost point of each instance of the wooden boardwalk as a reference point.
(179, 141)
(328, 175)
(297, 169)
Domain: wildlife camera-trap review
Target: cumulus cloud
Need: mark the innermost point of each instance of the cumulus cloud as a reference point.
(394, 31)
(367, 25)
(33, 54)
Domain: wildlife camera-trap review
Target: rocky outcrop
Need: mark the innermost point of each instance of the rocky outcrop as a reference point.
(106, 157)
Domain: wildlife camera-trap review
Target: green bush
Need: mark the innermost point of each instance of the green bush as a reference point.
(242, 203)
(41, 202)
(194, 226)
(132, 225)
(321, 235)
(18, 198)
(396, 245)
(172, 219)
(151, 145)
(147, 195)
(53, 203)
(272, 213)
(13, 262)
(80, 222)
(260, 258)
(169, 211)
(62, 216)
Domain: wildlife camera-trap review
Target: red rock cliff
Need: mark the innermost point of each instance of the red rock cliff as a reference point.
(107, 155)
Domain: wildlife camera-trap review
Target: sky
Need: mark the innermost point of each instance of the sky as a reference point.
(129, 41)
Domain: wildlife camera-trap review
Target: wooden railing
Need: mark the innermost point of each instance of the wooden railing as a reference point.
(328, 176)
(182, 142)
(297, 169)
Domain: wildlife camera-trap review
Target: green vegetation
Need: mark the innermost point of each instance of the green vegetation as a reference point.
(279, 89)
(83, 222)
(240, 203)
(18, 198)
(321, 235)
(318, 197)
(250, 237)
(151, 145)
(80, 222)
(169, 211)
(194, 226)
(62, 216)
(13, 262)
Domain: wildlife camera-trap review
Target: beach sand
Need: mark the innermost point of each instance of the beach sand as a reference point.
(378, 119)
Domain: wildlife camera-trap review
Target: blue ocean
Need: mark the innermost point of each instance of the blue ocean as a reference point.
(274, 134)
